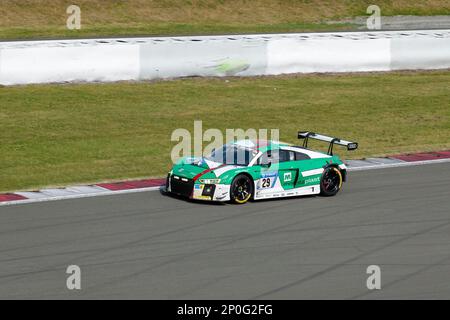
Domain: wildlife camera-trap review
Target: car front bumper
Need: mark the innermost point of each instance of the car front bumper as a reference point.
(190, 189)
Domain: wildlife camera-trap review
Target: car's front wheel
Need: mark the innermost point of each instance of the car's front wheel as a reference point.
(241, 189)
(331, 181)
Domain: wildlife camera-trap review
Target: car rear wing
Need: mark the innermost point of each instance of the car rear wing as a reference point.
(306, 135)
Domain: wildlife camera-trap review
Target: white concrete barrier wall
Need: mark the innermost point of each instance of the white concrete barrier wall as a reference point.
(333, 55)
(420, 53)
(246, 55)
(61, 64)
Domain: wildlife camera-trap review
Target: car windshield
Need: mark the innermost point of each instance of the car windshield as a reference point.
(232, 155)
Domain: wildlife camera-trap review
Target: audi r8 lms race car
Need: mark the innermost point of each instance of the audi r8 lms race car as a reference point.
(245, 169)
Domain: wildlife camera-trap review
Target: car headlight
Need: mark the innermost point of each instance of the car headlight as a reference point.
(209, 181)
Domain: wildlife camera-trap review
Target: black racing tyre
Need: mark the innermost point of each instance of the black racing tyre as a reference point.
(167, 182)
(331, 181)
(241, 189)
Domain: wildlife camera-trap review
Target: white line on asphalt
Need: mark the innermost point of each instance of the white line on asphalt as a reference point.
(79, 196)
(400, 164)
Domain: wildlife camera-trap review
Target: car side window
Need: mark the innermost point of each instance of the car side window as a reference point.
(269, 156)
(281, 156)
(286, 155)
(301, 156)
(265, 158)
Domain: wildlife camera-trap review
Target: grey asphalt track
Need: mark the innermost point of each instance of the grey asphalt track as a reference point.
(147, 245)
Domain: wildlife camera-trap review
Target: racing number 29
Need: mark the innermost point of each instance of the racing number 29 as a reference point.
(265, 183)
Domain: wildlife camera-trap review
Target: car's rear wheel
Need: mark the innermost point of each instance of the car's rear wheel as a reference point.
(331, 181)
(241, 189)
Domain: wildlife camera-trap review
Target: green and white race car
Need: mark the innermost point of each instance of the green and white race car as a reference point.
(246, 169)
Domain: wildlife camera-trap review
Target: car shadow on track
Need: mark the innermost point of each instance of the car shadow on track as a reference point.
(163, 192)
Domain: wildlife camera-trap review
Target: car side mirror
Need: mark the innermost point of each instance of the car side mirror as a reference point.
(267, 165)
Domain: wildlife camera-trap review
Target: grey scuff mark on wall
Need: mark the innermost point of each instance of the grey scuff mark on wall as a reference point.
(222, 57)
